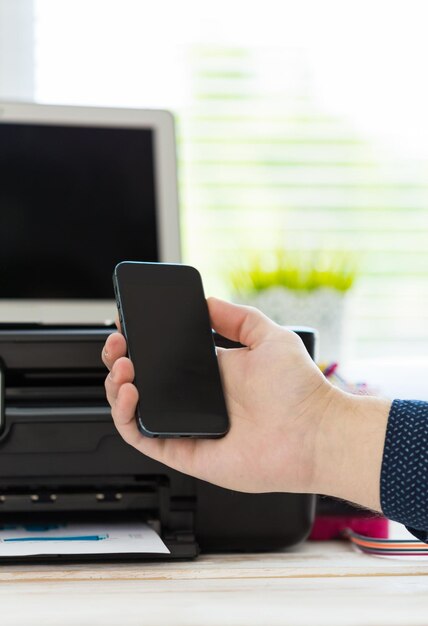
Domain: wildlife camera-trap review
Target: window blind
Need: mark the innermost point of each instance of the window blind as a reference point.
(265, 165)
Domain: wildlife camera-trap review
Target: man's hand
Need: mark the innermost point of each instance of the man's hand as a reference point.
(289, 430)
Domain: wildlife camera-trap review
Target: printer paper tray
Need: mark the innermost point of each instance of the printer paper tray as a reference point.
(178, 550)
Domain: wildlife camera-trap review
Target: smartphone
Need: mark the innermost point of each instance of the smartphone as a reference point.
(164, 317)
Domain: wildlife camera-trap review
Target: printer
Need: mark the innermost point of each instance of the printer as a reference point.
(62, 459)
(81, 189)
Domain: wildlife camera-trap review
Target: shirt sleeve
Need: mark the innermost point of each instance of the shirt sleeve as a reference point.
(404, 472)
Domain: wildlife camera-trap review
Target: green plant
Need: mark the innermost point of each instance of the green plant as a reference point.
(300, 271)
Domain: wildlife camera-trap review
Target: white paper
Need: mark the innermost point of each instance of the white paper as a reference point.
(74, 539)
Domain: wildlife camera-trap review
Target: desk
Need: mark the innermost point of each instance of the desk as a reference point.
(313, 584)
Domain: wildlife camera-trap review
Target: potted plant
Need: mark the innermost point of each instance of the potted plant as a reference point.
(300, 289)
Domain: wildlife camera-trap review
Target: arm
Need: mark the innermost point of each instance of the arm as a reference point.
(290, 429)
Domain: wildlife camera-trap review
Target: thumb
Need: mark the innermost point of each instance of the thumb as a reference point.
(239, 323)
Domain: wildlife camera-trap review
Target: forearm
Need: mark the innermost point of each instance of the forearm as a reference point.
(349, 450)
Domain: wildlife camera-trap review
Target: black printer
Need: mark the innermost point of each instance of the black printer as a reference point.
(61, 458)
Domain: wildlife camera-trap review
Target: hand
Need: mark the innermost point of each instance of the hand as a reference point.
(270, 388)
(286, 418)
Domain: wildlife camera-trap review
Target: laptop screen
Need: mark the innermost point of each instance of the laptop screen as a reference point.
(74, 201)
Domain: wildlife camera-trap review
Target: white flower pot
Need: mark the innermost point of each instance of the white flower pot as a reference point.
(322, 309)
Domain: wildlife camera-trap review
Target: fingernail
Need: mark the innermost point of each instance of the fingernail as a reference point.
(106, 353)
(111, 375)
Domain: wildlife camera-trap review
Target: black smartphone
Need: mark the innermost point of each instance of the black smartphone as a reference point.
(164, 317)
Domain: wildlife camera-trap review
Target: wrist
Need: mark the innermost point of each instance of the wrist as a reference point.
(349, 448)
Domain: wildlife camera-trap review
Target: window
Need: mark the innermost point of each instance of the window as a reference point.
(300, 125)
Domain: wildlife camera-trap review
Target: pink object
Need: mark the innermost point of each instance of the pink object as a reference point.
(331, 527)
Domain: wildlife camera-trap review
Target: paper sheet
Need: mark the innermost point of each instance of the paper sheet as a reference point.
(77, 539)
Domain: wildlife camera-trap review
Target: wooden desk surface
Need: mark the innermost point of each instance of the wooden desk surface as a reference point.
(313, 584)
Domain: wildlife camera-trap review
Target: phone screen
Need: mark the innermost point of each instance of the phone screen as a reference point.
(165, 320)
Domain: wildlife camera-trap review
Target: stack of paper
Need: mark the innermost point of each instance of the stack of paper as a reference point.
(76, 539)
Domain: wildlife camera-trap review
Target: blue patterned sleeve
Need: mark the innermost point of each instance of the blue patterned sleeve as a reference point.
(404, 473)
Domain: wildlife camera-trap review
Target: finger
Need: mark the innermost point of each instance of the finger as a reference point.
(121, 373)
(176, 454)
(239, 323)
(114, 348)
(123, 413)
